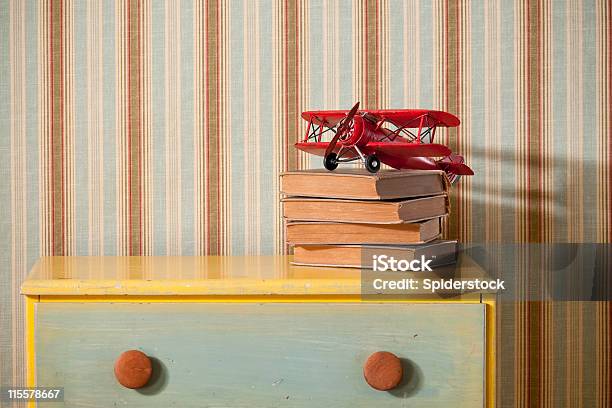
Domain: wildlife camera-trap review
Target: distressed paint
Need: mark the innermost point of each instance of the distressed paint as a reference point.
(288, 354)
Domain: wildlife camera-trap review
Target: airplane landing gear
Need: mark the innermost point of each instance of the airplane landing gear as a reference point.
(372, 163)
(331, 161)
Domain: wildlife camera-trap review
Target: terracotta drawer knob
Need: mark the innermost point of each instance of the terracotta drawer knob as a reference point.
(383, 371)
(133, 369)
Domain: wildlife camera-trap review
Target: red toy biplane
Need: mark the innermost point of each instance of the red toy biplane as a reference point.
(402, 139)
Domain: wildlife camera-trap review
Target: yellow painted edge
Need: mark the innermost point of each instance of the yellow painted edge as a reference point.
(491, 357)
(30, 326)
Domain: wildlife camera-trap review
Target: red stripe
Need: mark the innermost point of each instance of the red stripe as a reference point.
(364, 57)
(219, 156)
(608, 391)
(62, 129)
(540, 126)
(296, 117)
(140, 133)
(51, 126)
(377, 74)
(285, 97)
(458, 96)
(528, 113)
(207, 130)
(128, 127)
(609, 159)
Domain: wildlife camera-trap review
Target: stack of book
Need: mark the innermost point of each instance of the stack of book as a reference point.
(334, 218)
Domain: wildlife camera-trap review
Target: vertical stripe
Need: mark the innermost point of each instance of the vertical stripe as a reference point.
(110, 113)
(187, 128)
(133, 76)
(268, 201)
(31, 157)
(465, 101)
(240, 36)
(134, 125)
(604, 116)
(589, 112)
(607, 161)
(575, 122)
(95, 129)
(78, 118)
(291, 42)
(371, 56)
(199, 186)
(383, 54)
(426, 54)
(563, 147)
(492, 131)
(162, 133)
(344, 45)
(452, 97)
(212, 154)
(13, 169)
(520, 130)
(507, 117)
(534, 120)
(288, 104)
(54, 135)
(173, 130)
(403, 37)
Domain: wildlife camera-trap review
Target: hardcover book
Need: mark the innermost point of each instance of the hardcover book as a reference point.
(348, 233)
(360, 184)
(365, 211)
(359, 256)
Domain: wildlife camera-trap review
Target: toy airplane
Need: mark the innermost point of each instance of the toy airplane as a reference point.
(402, 139)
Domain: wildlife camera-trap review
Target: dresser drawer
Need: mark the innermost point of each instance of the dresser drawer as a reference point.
(262, 355)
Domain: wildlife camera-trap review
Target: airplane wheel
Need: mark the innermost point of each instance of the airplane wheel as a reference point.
(372, 163)
(331, 161)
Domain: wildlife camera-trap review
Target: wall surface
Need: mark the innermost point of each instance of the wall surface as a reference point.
(150, 127)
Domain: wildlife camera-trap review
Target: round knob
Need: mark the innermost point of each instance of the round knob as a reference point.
(133, 369)
(383, 371)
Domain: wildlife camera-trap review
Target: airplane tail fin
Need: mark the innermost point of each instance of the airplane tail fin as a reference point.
(455, 167)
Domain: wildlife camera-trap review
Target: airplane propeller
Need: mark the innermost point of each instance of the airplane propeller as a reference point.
(343, 127)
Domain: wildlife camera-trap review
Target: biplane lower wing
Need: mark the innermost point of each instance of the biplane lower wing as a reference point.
(398, 150)
(318, 149)
(405, 150)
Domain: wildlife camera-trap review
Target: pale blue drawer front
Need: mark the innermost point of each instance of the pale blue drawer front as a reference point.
(262, 355)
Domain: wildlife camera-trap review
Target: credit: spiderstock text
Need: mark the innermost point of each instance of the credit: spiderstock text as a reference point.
(435, 285)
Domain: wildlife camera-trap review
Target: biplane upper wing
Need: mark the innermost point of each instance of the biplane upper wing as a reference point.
(328, 118)
(400, 117)
(411, 118)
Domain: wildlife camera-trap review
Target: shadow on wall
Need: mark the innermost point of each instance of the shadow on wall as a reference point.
(554, 208)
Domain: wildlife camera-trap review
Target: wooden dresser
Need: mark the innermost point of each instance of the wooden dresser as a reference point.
(247, 332)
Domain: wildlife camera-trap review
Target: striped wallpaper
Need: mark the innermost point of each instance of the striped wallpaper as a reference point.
(160, 127)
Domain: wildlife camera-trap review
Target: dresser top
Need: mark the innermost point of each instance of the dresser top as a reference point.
(184, 275)
(190, 276)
